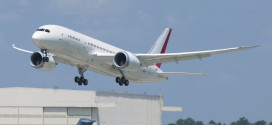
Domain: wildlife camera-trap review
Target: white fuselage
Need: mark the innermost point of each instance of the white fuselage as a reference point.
(79, 50)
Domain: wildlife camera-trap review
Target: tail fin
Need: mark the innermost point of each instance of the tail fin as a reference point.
(161, 43)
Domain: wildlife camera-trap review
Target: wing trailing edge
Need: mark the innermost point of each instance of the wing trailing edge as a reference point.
(181, 74)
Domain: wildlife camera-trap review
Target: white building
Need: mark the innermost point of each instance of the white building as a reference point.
(35, 106)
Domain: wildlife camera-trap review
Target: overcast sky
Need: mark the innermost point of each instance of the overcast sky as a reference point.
(238, 84)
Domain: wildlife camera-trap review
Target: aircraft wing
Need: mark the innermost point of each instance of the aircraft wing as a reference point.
(22, 50)
(152, 59)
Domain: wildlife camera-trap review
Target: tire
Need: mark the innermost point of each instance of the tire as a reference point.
(120, 83)
(85, 82)
(79, 83)
(47, 59)
(123, 79)
(126, 82)
(81, 79)
(117, 80)
(76, 79)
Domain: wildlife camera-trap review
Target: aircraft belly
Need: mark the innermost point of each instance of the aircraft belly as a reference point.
(143, 77)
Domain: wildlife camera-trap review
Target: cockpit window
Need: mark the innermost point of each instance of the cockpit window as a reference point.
(47, 30)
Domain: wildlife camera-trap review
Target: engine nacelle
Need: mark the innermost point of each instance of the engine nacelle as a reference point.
(126, 61)
(36, 61)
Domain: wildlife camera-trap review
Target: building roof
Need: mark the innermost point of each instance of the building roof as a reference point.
(40, 97)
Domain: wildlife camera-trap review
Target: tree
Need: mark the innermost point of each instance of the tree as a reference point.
(270, 123)
(172, 124)
(241, 121)
(212, 122)
(199, 123)
(180, 122)
(262, 122)
(189, 121)
(233, 123)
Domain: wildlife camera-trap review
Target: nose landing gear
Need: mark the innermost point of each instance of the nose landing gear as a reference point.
(81, 80)
(45, 58)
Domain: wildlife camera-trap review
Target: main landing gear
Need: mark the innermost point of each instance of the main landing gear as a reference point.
(122, 81)
(45, 58)
(80, 80)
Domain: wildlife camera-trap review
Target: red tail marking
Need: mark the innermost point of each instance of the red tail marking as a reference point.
(164, 46)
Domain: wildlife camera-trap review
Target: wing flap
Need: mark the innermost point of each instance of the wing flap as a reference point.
(181, 74)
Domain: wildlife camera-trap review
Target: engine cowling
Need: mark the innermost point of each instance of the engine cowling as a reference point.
(126, 61)
(37, 62)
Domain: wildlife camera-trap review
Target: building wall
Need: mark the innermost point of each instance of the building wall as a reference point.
(131, 109)
(44, 115)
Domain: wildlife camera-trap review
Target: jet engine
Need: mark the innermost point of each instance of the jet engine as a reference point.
(36, 61)
(126, 61)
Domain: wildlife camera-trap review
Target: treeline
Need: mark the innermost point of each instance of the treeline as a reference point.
(241, 121)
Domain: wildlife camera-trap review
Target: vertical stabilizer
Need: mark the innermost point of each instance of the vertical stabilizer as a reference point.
(161, 43)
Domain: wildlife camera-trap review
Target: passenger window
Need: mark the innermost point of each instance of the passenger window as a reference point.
(41, 29)
(47, 30)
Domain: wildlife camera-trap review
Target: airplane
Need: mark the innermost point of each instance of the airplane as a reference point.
(62, 45)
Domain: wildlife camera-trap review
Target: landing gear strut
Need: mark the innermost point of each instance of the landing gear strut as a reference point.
(122, 81)
(81, 80)
(45, 58)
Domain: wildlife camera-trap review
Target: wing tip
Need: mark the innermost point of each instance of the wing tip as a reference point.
(248, 47)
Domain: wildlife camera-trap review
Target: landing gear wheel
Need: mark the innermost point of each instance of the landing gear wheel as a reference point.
(81, 80)
(85, 82)
(117, 80)
(45, 59)
(79, 83)
(126, 82)
(76, 79)
(123, 79)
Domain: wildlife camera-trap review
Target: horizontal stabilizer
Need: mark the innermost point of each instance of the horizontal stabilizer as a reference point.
(181, 74)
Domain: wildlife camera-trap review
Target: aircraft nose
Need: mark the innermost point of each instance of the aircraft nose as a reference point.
(35, 37)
